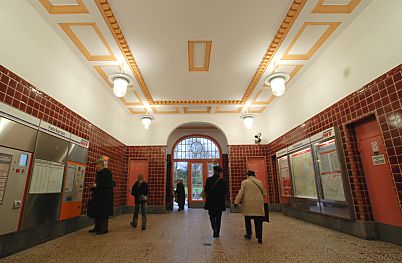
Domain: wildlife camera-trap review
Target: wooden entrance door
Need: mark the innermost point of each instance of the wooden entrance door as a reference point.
(258, 165)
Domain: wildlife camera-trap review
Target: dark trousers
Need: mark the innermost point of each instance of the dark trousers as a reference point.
(101, 224)
(143, 207)
(257, 225)
(215, 218)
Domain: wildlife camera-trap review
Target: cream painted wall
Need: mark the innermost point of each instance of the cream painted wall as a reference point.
(158, 133)
(31, 49)
(214, 133)
(371, 45)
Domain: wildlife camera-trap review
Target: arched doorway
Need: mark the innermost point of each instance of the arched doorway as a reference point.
(193, 157)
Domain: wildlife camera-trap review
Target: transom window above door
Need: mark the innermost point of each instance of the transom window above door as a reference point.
(196, 148)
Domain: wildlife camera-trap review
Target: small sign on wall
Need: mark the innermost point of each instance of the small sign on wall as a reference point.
(374, 147)
(378, 159)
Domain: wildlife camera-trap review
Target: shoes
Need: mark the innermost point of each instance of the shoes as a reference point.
(93, 230)
(143, 228)
(102, 232)
(247, 237)
(132, 224)
(179, 209)
(216, 235)
(259, 241)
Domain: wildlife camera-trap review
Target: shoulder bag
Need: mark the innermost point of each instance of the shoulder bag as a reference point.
(204, 194)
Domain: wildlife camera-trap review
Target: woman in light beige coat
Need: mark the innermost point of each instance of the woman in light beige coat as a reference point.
(251, 196)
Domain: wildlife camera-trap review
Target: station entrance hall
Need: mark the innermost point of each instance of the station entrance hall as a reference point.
(200, 131)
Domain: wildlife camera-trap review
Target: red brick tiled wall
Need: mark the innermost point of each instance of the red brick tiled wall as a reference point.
(156, 156)
(381, 98)
(22, 95)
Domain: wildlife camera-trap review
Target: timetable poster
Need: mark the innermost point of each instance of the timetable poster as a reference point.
(286, 184)
(5, 163)
(303, 174)
(47, 177)
(330, 171)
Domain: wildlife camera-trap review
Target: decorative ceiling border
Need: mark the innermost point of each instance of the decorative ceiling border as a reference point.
(207, 55)
(107, 13)
(110, 19)
(79, 8)
(322, 8)
(219, 110)
(156, 111)
(186, 110)
(283, 30)
(332, 26)
(70, 33)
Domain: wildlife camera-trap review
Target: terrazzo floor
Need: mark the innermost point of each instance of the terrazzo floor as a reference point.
(186, 237)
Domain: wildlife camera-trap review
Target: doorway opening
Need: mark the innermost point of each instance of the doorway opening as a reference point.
(193, 159)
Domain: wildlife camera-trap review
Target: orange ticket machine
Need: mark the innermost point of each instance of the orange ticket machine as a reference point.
(72, 191)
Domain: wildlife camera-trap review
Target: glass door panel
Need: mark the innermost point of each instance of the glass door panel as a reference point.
(197, 181)
(181, 172)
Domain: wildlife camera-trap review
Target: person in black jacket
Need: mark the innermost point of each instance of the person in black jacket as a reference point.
(140, 193)
(102, 191)
(215, 191)
(181, 194)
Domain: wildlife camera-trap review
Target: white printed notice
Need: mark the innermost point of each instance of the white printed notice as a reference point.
(330, 171)
(5, 162)
(47, 177)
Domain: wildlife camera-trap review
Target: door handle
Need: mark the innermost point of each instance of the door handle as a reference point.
(17, 204)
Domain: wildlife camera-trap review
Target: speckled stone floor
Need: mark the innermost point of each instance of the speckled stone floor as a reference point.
(186, 237)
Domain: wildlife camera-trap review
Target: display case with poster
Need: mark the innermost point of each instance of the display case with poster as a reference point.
(285, 179)
(334, 190)
(303, 177)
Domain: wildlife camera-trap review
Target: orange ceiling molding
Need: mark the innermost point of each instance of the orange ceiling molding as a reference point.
(191, 57)
(67, 29)
(262, 102)
(133, 111)
(186, 110)
(219, 110)
(283, 30)
(332, 26)
(260, 110)
(129, 103)
(103, 75)
(79, 8)
(322, 8)
(196, 102)
(156, 111)
(293, 73)
(110, 19)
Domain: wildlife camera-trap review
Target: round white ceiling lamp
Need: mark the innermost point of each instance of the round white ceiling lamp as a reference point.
(248, 121)
(277, 82)
(146, 120)
(120, 83)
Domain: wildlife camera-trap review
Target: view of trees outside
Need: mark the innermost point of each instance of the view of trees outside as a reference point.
(196, 181)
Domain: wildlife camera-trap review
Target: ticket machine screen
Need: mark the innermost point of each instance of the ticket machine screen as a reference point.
(23, 160)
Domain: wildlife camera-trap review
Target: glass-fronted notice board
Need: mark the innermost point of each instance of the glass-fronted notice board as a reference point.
(304, 185)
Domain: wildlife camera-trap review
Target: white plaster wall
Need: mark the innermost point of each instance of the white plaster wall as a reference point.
(214, 133)
(158, 133)
(371, 45)
(31, 49)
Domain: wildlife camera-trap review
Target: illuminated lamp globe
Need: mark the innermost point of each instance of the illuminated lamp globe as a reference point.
(277, 82)
(146, 120)
(248, 121)
(120, 83)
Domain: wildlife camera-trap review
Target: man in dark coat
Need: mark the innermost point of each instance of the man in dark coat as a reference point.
(181, 194)
(140, 193)
(215, 190)
(103, 197)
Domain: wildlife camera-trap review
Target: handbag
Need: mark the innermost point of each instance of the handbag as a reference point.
(265, 218)
(143, 199)
(204, 194)
(91, 209)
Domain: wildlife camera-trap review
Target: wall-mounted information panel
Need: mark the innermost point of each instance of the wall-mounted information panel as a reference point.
(318, 174)
(47, 177)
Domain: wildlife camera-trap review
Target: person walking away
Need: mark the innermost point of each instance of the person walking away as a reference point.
(181, 194)
(140, 193)
(251, 195)
(215, 191)
(102, 191)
